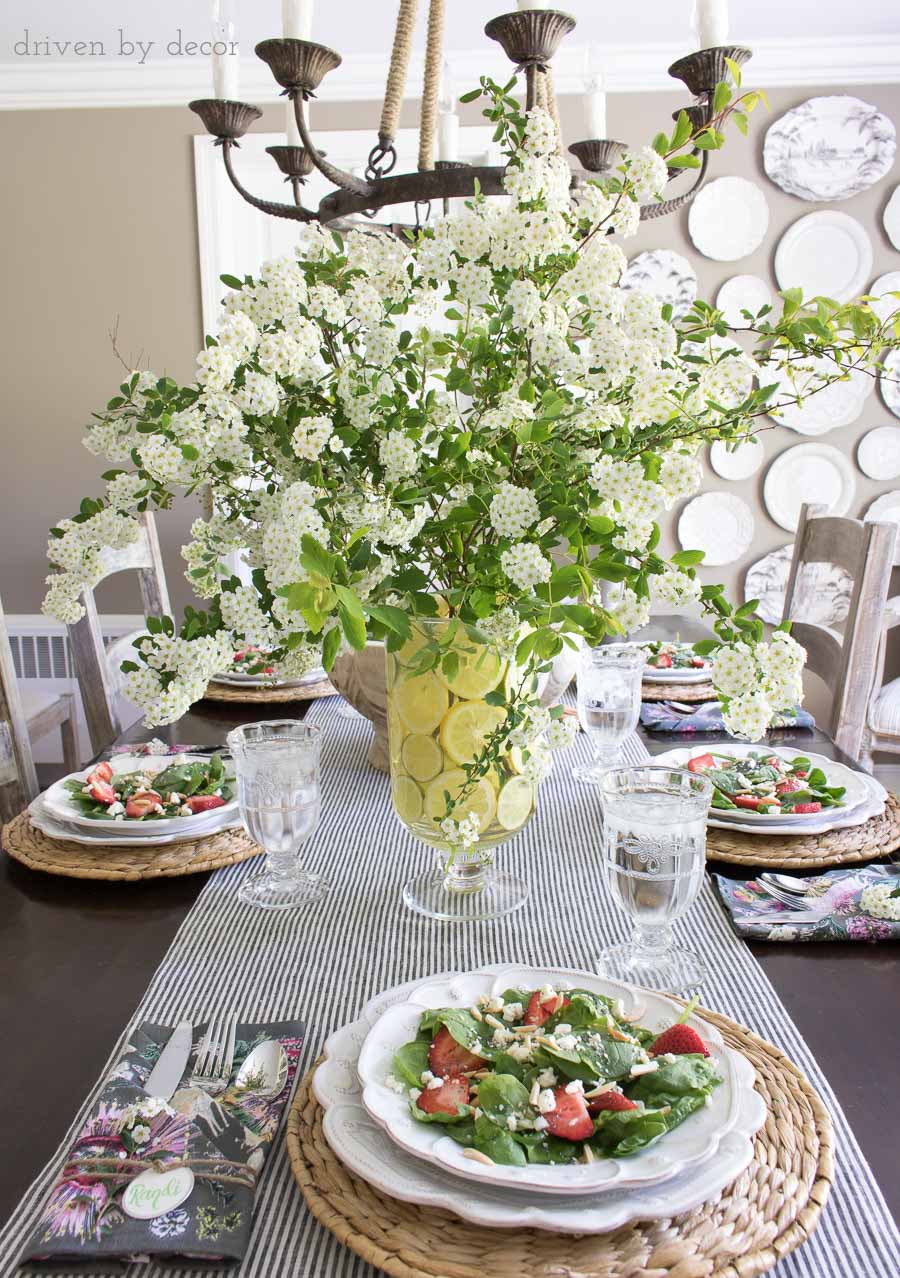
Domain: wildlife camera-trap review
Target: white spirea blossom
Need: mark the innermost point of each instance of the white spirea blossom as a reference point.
(238, 334)
(259, 396)
(215, 367)
(734, 669)
(541, 135)
(525, 566)
(748, 715)
(676, 588)
(630, 612)
(397, 454)
(310, 436)
(513, 510)
(280, 355)
(648, 172)
(242, 614)
(562, 732)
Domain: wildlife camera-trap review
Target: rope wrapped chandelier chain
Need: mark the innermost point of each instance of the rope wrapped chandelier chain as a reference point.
(529, 38)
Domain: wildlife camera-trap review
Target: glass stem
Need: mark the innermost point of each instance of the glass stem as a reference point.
(653, 939)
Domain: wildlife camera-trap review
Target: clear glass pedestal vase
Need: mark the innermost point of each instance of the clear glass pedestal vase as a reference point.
(465, 886)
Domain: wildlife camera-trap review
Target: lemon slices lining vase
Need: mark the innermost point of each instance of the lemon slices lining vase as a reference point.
(439, 726)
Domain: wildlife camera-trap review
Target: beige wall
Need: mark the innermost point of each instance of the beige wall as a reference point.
(99, 224)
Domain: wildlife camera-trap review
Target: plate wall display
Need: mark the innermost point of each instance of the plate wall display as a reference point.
(819, 410)
(728, 218)
(808, 473)
(742, 293)
(737, 463)
(826, 254)
(891, 218)
(878, 453)
(822, 594)
(880, 299)
(364, 1147)
(889, 381)
(684, 1146)
(829, 148)
(666, 275)
(719, 524)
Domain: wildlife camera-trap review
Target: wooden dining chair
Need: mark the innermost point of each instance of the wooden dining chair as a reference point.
(847, 661)
(18, 779)
(97, 666)
(883, 732)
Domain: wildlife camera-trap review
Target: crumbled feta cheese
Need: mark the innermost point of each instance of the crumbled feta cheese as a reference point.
(563, 1029)
(157, 807)
(433, 1084)
(185, 810)
(512, 1122)
(115, 808)
(477, 1111)
(707, 1101)
(540, 1123)
(513, 1012)
(547, 992)
(546, 1101)
(501, 1037)
(85, 789)
(575, 1088)
(668, 1058)
(619, 1008)
(483, 999)
(520, 1050)
(425, 1077)
(394, 1084)
(567, 1043)
(645, 1067)
(415, 1093)
(119, 816)
(174, 797)
(494, 1005)
(547, 1078)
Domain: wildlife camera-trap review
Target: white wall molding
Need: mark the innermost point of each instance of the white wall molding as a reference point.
(40, 83)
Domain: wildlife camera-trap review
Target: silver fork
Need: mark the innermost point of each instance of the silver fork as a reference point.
(212, 1068)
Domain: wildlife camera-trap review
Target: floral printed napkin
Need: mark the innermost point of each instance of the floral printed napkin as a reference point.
(662, 716)
(855, 905)
(225, 1139)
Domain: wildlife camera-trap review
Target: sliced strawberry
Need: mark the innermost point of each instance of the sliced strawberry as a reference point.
(789, 785)
(204, 802)
(798, 772)
(680, 1040)
(140, 804)
(453, 1092)
(609, 1100)
(698, 662)
(538, 1012)
(815, 806)
(701, 763)
(102, 791)
(756, 802)
(570, 1119)
(102, 772)
(663, 661)
(446, 1057)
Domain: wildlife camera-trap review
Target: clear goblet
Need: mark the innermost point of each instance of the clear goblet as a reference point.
(654, 853)
(277, 769)
(609, 702)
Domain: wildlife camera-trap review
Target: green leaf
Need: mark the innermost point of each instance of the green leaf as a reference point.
(741, 121)
(684, 162)
(660, 143)
(735, 70)
(682, 130)
(232, 281)
(688, 558)
(316, 559)
(721, 96)
(354, 626)
(330, 648)
(410, 1062)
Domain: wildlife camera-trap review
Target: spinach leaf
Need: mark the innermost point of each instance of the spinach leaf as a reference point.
(460, 1023)
(540, 1147)
(183, 778)
(410, 1061)
(728, 780)
(497, 1143)
(462, 1112)
(506, 1064)
(620, 1133)
(583, 1009)
(686, 1075)
(501, 1095)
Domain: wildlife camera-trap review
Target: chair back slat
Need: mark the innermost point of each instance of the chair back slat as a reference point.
(98, 688)
(848, 664)
(18, 778)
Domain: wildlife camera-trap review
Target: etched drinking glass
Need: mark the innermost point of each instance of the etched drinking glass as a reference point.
(609, 702)
(654, 853)
(277, 771)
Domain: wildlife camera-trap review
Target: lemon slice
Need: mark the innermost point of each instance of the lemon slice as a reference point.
(421, 702)
(480, 670)
(465, 728)
(422, 757)
(407, 798)
(515, 759)
(514, 803)
(480, 798)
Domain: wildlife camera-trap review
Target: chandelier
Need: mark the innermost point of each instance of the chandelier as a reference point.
(529, 37)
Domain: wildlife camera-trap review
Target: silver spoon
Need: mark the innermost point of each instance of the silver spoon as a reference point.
(264, 1071)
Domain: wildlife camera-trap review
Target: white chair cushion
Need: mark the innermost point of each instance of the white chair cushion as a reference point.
(884, 710)
(34, 700)
(120, 650)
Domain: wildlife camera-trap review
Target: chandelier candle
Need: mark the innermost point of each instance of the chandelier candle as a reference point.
(594, 97)
(711, 23)
(448, 120)
(296, 19)
(225, 61)
(293, 133)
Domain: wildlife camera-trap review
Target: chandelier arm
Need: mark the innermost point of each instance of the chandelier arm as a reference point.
(411, 188)
(296, 211)
(339, 177)
(431, 83)
(651, 211)
(396, 78)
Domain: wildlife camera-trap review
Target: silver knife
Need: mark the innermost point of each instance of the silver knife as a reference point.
(166, 1074)
(788, 917)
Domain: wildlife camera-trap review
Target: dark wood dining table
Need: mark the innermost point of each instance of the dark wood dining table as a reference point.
(76, 956)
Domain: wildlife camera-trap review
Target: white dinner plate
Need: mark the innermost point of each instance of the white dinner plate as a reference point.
(364, 1147)
(884, 509)
(891, 218)
(822, 594)
(699, 675)
(829, 148)
(719, 524)
(822, 407)
(59, 806)
(737, 463)
(235, 679)
(666, 275)
(108, 835)
(696, 1140)
(889, 381)
(808, 473)
(863, 812)
(825, 254)
(728, 218)
(882, 303)
(878, 453)
(743, 293)
(860, 789)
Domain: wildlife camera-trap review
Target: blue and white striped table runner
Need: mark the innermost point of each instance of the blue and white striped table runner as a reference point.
(322, 964)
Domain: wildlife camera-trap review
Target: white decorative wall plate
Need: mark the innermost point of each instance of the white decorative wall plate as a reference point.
(823, 590)
(826, 254)
(829, 148)
(889, 381)
(878, 453)
(881, 301)
(891, 218)
(728, 219)
(885, 508)
(819, 411)
(736, 463)
(808, 473)
(742, 293)
(666, 275)
(719, 524)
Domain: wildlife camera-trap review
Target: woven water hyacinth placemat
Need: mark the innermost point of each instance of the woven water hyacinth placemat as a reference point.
(253, 695)
(768, 1211)
(677, 692)
(38, 851)
(867, 842)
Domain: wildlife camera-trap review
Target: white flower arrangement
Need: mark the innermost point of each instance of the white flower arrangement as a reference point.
(480, 415)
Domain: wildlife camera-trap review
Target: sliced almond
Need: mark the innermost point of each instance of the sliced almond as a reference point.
(635, 1014)
(493, 1022)
(535, 1092)
(587, 1155)
(474, 1011)
(596, 1091)
(476, 1156)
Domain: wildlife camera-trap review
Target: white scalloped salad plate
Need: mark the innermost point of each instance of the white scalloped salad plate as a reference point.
(694, 1141)
(366, 1149)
